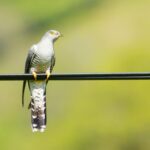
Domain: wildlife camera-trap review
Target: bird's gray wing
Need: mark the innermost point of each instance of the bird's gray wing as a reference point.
(29, 59)
(53, 60)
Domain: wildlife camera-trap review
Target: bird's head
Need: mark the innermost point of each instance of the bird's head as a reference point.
(53, 34)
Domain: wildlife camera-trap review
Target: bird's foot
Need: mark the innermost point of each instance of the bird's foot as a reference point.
(47, 75)
(34, 75)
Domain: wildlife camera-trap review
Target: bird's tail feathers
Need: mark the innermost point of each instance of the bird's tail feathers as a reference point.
(38, 110)
(23, 90)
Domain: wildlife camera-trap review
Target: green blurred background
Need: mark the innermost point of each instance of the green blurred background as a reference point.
(99, 36)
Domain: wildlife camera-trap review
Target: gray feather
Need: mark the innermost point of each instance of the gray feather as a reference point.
(53, 60)
(29, 59)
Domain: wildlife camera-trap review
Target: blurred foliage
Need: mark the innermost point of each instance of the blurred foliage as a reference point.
(99, 36)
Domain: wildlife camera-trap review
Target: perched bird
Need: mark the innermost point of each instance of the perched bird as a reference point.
(40, 59)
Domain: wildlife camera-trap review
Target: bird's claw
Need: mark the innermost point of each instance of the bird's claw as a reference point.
(47, 75)
(34, 75)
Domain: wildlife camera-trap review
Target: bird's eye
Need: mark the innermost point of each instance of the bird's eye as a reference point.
(57, 33)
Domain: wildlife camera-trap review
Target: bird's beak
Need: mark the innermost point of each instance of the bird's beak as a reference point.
(61, 35)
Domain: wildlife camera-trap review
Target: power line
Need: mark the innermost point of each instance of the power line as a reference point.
(81, 76)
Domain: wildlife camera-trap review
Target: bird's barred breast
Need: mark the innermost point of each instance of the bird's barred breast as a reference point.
(40, 64)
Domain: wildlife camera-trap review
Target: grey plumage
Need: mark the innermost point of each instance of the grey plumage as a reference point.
(40, 59)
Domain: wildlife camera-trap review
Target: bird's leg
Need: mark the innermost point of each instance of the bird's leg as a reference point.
(34, 74)
(47, 74)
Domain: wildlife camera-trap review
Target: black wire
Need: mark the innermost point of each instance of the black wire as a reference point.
(81, 76)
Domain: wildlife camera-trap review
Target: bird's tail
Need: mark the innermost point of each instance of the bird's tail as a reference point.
(38, 110)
